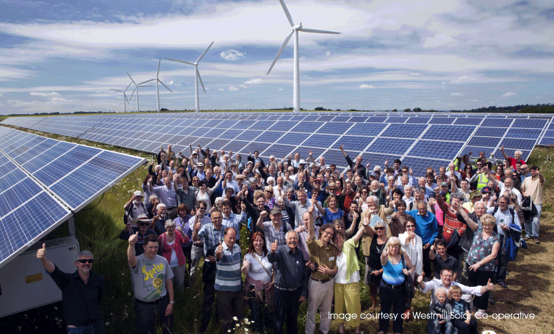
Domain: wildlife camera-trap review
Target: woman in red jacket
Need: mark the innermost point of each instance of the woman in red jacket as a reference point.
(171, 245)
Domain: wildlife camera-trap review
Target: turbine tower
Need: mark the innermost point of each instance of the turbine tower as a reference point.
(125, 100)
(197, 76)
(136, 89)
(158, 81)
(294, 31)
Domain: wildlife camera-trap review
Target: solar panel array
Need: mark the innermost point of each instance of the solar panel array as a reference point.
(44, 181)
(419, 139)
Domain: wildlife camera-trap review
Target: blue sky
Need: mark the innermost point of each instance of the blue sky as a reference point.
(441, 54)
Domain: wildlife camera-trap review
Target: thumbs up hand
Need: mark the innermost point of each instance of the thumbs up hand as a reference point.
(274, 247)
(490, 285)
(219, 251)
(133, 239)
(245, 264)
(41, 253)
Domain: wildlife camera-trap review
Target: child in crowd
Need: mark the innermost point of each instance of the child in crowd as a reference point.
(461, 316)
(441, 313)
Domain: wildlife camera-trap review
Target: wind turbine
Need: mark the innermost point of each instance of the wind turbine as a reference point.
(136, 89)
(158, 81)
(294, 31)
(125, 100)
(197, 77)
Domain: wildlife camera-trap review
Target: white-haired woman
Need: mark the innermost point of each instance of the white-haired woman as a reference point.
(412, 246)
(392, 289)
(375, 238)
(171, 244)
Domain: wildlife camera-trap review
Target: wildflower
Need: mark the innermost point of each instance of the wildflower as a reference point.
(107, 323)
(235, 318)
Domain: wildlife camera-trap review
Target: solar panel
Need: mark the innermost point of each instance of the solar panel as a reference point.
(435, 149)
(522, 144)
(547, 141)
(497, 122)
(510, 152)
(293, 138)
(304, 152)
(323, 141)
(334, 128)
(419, 166)
(523, 133)
(309, 127)
(366, 129)
(490, 132)
(280, 151)
(484, 141)
(390, 146)
(359, 132)
(28, 211)
(476, 149)
(404, 130)
(449, 132)
(336, 157)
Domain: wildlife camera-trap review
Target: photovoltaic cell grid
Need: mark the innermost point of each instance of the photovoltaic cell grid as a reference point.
(394, 134)
(74, 173)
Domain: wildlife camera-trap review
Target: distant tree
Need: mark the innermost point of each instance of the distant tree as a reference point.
(407, 110)
(417, 109)
(338, 110)
(395, 110)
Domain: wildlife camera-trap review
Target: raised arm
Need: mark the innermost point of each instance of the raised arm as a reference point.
(41, 255)
(504, 153)
(311, 231)
(319, 207)
(131, 256)
(260, 222)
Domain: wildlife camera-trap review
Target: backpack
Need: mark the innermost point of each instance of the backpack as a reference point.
(513, 242)
(129, 212)
(512, 212)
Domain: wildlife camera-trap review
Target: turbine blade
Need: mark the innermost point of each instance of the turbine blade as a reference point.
(128, 86)
(180, 61)
(159, 63)
(117, 90)
(315, 31)
(165, 85)
(202, 55)
(132, 94)
(281, 50)
(131, 78)
(199, 77)
(146, 81)
(125, 96)
(287, 13)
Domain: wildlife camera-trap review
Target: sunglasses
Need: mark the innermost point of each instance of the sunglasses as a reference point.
(270, 192)
(378, 228)
(144, 224)
(85, 261)
(201, 208)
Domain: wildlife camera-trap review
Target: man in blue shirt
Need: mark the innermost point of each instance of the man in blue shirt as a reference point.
(427, 229)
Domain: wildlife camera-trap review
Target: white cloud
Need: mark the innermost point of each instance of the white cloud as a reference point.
(233, 88)
(221, 89)
(364, 86)
(457, 94)
(328, 53)
(232, 55)
(280, 89)
(254, 82)
(242, 86)
(508, 94)
(461, 79)
(44, 94)
(437, 40)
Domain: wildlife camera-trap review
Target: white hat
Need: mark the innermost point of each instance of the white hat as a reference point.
(272, 157)
(302, 162)
(138, 193)
(200, 164)
(143, 217)
(249, 162)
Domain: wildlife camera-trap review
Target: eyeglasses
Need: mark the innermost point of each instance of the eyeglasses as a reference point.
(144, 224)
(269, 191)
(364, 192)
(201, 208)
(378, 228)
(410, 226)
(85, 261)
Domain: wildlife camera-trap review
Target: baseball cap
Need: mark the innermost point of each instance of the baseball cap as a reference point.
(275, 211)
(138, 193)
(444, 184)
(475, 193)
(486, 190)
(373, 175)
(200, 164)
(302, 162)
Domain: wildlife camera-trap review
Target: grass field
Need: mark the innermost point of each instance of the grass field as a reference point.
(99, 224)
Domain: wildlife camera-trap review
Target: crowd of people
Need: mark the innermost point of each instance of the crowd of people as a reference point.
(308, 225)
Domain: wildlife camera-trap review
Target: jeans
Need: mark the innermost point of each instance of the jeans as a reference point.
(502, 267)
(532, 228)
(394, 298)
(427, 272)
(286, 305)
(438, 327)
(96, 328)
(179, 277)
(209, 298)
(256, 308)
(150, 315)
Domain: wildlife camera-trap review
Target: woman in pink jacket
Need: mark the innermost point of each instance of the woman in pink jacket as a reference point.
(171, 245)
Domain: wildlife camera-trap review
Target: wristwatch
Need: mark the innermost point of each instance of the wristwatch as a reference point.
(172, 302)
